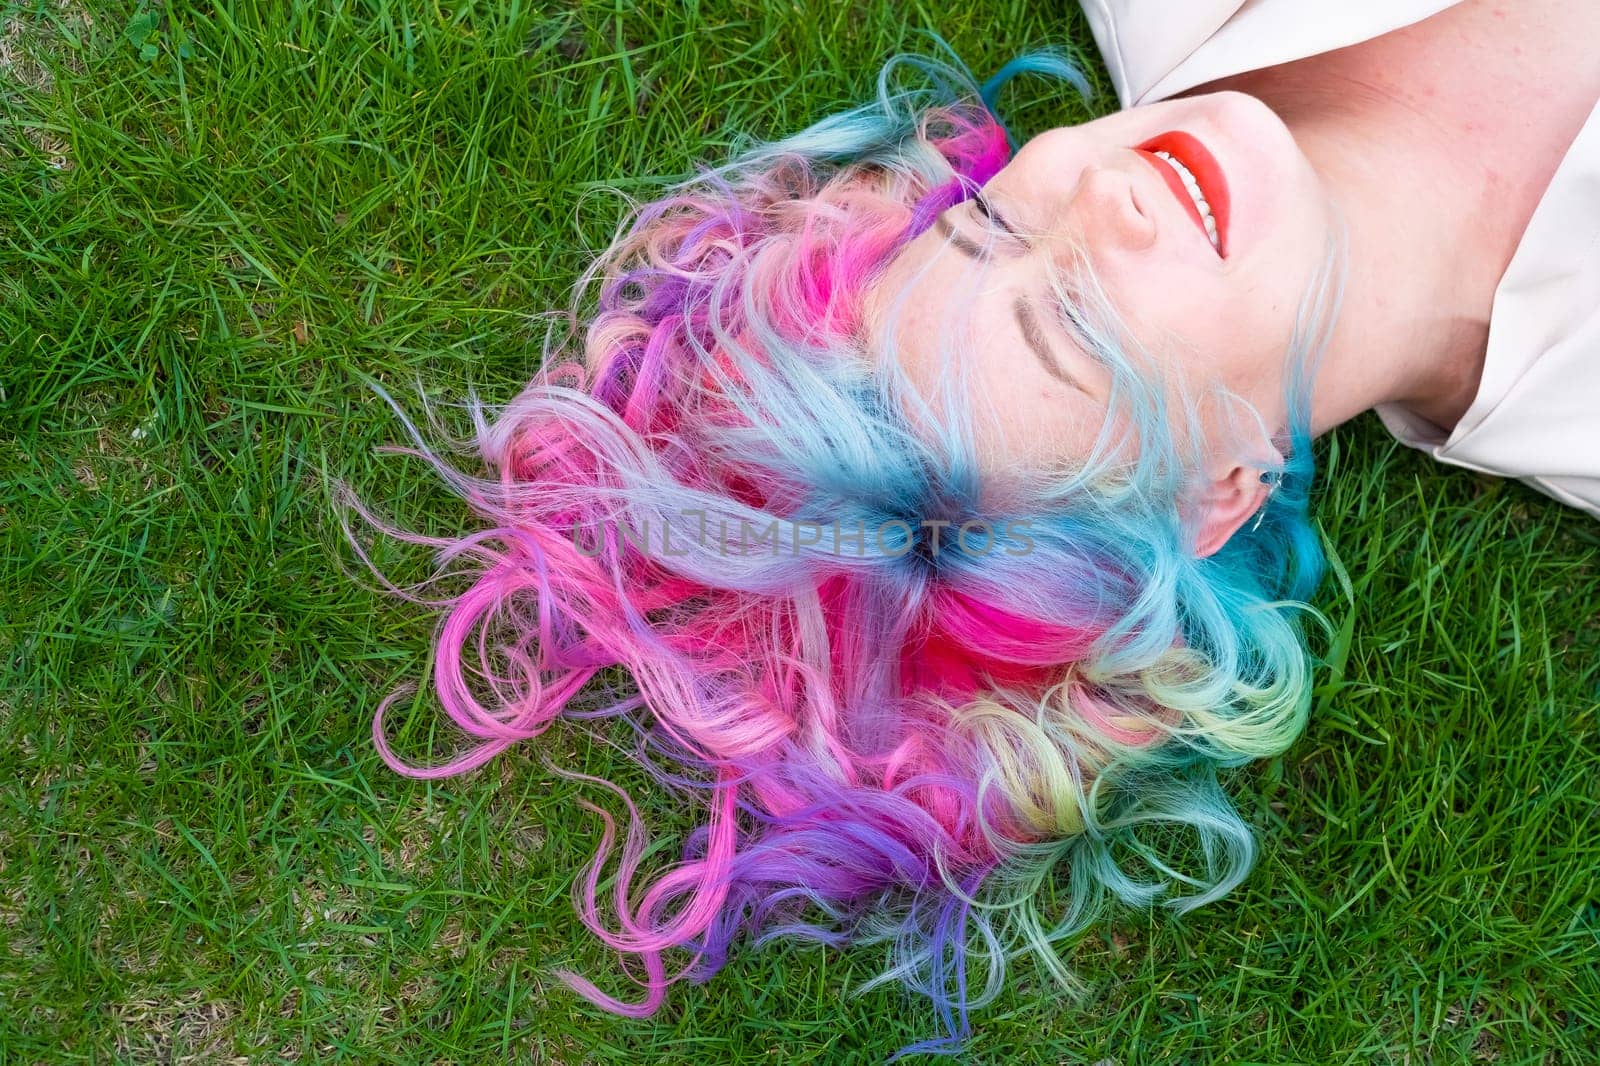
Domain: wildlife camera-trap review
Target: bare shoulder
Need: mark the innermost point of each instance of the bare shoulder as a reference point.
(1523, 42)
(1523, 74)
(1560, 16)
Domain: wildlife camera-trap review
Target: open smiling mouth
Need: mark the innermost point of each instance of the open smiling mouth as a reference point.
(1196, 179)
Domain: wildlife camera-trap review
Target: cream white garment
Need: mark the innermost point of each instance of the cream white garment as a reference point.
(1536, 415)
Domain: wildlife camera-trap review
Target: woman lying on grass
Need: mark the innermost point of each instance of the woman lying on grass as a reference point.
(946, 505)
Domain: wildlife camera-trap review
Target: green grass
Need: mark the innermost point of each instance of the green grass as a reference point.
(216, 219)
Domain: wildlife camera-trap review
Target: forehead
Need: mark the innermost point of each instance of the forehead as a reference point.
(966, 336)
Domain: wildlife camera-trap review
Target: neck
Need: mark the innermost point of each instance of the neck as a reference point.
(1421, 264)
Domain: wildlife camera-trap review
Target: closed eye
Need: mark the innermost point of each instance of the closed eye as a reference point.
(971, 248)
(987, 210)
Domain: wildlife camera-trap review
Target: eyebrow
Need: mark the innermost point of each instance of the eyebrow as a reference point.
(1034, 335)
(962, 244)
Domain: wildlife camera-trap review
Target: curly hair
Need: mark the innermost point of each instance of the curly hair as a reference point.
(884, 741)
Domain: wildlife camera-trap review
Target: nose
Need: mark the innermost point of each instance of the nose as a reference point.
(1104, 207)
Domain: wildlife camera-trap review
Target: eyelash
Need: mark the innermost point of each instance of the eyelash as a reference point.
(987, 209)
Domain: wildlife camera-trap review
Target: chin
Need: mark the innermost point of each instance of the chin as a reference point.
(1270, 180)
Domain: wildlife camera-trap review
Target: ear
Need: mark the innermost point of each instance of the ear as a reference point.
(1232, 498)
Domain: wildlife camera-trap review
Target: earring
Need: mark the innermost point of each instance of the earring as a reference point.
(1272, 479)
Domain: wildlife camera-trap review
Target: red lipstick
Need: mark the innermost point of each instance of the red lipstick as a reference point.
(1186, 149)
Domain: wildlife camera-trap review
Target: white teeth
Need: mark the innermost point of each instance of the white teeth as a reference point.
(1193, 187)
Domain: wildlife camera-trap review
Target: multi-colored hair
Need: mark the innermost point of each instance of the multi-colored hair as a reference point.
(885, 741)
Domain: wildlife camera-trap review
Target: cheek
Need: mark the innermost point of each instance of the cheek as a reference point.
(1032, 422)
(1160, 303)
(1197, 328)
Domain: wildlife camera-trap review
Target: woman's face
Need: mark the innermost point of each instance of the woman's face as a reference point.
(1212, 309)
